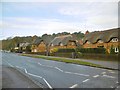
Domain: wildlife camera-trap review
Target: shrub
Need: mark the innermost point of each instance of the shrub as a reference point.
(66, 50)
(53, 50)
(92, 50)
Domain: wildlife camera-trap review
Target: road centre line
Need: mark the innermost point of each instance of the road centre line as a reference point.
(74, 86)
(76, 73)
(108, 76)
(103, 73)
(96, 76)
(64, 71)
(86, 80)
(59, 69)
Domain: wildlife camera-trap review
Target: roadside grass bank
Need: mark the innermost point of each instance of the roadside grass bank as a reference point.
(73, 61)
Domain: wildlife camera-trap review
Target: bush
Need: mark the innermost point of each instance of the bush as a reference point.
(53, 50)
(91, 50)
(66, 50)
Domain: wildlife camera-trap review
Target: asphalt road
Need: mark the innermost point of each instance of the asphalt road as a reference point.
(52, 74)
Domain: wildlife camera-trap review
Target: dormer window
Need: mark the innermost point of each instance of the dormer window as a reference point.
(115, 40)
(52, 45)
(100, 41)
(72, 43)
(61, 44)
(88, 42)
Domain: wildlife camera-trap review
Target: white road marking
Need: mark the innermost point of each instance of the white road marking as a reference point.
(111, 86)
(117, 82)
(25, 70)
(112, 72)
(47, 83)
(86, 80)
(96, 76)
(74, 86)
(9, 64)
(45, 65)
(108, 76)
(59, 69)
(76, 73)
(19, 67)
(103, 72)
(36, 76)
(64, 71)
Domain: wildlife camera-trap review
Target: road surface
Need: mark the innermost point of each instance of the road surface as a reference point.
(53, 74)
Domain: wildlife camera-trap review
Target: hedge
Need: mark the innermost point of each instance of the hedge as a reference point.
(65, 50)
(91, 50)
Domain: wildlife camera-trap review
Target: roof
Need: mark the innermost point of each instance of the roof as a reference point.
(24, 44)
(46, 40)
(105, 36)
(62, 39)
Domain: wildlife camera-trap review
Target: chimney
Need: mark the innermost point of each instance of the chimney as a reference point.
(86, 32)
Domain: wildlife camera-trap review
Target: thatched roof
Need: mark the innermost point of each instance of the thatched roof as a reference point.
(46, 40)
(105, 36)
(62, 39)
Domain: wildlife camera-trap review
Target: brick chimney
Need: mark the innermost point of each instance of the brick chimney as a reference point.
(86, 32)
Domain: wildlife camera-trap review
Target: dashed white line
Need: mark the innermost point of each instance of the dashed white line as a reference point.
(76, 73)
(108, 76)
(112, 72)
(59, 69)
(86, 80)
(74, 86)
(45, 65)
(63, 71)
(96, 76)
(103, 72)
(111, 87)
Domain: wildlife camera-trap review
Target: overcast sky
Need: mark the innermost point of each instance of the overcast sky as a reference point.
(37, 18)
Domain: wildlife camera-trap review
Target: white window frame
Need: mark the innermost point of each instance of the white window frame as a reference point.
(61, 44)
(88, 42)
(115, 40)
(116, 50)
(100, 41)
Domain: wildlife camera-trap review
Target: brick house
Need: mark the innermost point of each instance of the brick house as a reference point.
(107, 39)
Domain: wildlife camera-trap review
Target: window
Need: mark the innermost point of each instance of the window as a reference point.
(100, 41)
(88, 42)
(52, 45)
(72, 43)
(61, 44)
(115, 40)
(116, 50)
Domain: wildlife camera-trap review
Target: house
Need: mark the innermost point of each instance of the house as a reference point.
(65, 41)
(22, 47)
(107, 39)
(41, 44)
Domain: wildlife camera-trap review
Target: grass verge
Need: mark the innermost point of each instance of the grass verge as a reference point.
(63, 60)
